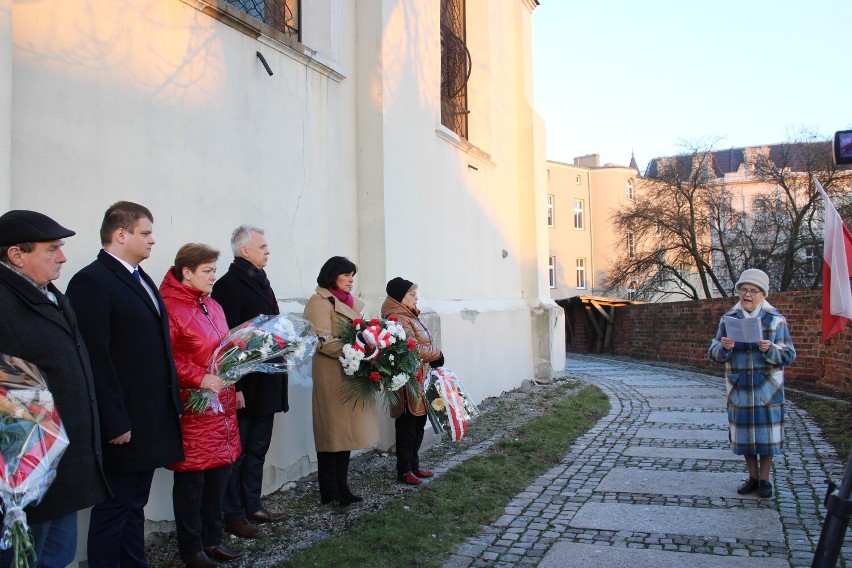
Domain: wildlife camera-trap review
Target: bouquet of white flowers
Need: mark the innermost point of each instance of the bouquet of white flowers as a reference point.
(265, 344)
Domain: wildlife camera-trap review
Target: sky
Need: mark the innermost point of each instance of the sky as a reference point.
(653, 76)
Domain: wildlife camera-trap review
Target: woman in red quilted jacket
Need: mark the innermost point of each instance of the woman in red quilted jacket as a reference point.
(211, 440)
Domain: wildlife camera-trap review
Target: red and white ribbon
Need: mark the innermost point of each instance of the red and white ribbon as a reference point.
(375, 337)
(456, 414)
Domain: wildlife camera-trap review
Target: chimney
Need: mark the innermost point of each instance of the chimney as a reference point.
(588, 161)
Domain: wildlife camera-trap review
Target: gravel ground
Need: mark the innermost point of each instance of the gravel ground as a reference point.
(373, 476)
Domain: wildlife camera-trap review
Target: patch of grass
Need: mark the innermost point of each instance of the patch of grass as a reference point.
(422, 529)
(834, 418)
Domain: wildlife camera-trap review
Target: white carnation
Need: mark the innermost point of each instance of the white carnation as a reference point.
(300, 352)
(398, 381)
(396, 329)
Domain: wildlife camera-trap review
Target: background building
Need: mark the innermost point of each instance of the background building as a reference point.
(343, 129)
(581, 197)
(703, 217)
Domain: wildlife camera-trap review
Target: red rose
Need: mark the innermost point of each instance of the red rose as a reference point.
(419, 376)
(375, 377)
(358, 322)
(393, 318)
(412, 345)
(374, 321)
(242, 344)
(281, 343)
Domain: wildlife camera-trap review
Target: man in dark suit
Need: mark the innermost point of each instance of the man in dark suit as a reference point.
(38, 325)
(244, 292)
(124, 323)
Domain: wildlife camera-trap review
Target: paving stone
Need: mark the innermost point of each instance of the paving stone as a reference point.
(699, 403)
(709, 484)
(656, 381)
(740, 523)
(681, 417)
(682, 453)
(683, 392)
(574, 555)
(676, 434)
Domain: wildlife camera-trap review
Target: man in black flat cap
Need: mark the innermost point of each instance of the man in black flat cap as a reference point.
(38, 325)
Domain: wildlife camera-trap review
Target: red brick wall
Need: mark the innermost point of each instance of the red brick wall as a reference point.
(681, 332)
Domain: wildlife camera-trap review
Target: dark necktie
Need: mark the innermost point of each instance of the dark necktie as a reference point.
(137, 276)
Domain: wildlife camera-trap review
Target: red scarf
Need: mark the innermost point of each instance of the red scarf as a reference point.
(344, 297)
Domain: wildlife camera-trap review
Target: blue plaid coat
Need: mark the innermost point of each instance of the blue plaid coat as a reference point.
(755, 384)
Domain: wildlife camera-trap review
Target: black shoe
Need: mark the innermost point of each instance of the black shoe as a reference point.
(764, 490)
(349, 497)
(223, 553)
(335, 499)
(198, 560)
(749, 486)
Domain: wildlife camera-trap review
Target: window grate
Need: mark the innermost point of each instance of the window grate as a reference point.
(283, 15)
(456, 66)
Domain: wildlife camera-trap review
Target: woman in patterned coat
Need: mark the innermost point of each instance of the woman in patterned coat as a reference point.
(754, 377)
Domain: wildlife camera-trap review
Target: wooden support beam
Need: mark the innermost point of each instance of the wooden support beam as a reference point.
(600, 310)
(610, 324)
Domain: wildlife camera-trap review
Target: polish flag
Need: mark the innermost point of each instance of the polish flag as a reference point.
(836, 271)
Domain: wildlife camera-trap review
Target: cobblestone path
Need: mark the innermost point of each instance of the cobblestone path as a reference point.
(654, 482)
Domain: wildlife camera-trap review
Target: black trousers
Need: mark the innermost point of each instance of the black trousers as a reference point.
(243, 494)
(333, 475)
(409, 436)
(117, 525)
(197, 498)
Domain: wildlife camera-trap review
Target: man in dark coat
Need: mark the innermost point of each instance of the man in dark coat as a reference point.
(244, 292)
(38, 325)
(124, 322)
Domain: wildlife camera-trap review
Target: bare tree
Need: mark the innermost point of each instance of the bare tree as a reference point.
(791, 214)
(670, 220)
(693, 233)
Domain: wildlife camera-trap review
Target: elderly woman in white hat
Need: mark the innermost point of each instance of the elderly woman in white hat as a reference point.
(754, 376)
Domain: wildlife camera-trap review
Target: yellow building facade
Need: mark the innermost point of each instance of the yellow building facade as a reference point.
(581, 197)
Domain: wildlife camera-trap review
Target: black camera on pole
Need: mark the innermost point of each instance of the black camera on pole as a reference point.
(843, 147)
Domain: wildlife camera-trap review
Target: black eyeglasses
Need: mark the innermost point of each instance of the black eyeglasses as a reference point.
(749, 292)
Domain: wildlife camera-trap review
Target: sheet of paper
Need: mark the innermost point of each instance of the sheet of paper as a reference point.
(746, 330)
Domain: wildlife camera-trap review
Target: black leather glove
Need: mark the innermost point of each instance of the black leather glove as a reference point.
(439, 362)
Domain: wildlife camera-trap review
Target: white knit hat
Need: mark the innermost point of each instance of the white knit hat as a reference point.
(756, 277)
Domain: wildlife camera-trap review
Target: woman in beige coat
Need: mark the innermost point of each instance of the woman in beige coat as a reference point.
(338, 427)
(410, 411)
